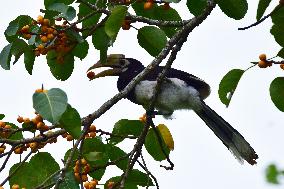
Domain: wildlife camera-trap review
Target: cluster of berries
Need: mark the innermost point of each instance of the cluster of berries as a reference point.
(52, 37)
(264, 63)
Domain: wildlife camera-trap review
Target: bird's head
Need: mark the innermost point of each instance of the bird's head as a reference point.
(117, 64)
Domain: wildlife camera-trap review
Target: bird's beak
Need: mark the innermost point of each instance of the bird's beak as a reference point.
(112, 61)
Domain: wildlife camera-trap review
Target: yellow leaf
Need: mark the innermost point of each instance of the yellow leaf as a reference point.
(167, 136)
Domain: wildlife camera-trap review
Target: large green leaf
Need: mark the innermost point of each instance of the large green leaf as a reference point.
(71, 122)
(5, 57)
(137, 177)
(100, 39)
(125, 127)
(278, 16)
(235, 9)
(84, 10)
(196, 7)
(277, 31)
(115, 20)
(11, 32)
(66, 11)
(60, 69)
(228, 85)
(29, 59)
(152, 39)
(81, 50)
(167, 15)
(29, 175)
(115, 153)
(51, 104)
(262, 6)
(153, 146)
(277, 92)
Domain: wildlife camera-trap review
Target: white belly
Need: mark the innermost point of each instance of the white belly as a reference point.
(175, 94)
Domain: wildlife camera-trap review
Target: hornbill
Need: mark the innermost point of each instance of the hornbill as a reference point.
(179, 90)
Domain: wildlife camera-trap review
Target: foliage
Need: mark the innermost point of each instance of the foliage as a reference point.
(62, 34)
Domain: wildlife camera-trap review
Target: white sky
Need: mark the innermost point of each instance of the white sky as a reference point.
(214, 48)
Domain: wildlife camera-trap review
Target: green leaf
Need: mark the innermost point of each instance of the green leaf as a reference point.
(29, 59)
(235, 9)
(69, 181)
(29, 175)
(115, 20)
(262, 5)
(272, 174)
(18, 48)
(115, 153)
(74, 35)
(138, 178)
(228, 85)
(196, 7)
(17, 135)
(127, 185)
(277, 31)
(153, 146)
(100, 39)
(167, 15)
(278, 16)
(61, 69)
(47, 3)
(140, 11)
(11, 32)
(152, 39)
(281, 53)
(277, 92)
(91, 21)
(66, 11)
(81, 50)
(93, 145)
(2, 116)
(71, 122)
(5, 57)
(51, 104)
(125, 127)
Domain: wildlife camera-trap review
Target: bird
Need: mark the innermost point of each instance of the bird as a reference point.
(179, 90)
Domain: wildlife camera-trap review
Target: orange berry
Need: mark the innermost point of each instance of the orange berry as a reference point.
(282, 66)
(110, 184)
(15, 186)
(46, 22)
(50, 36)
(64, 135)
(40, 19)
(94, 182)
(27, 120)
(39, 90)
(92, 134)
(262, 64)
(91, 75)
(86, 169)
(44, 29)
(1, 187)
(25, 29)
(2, 124)
(44, 39)
(27, 36)
(76, 169)
(18, 151)
(262, 57)
(40, 125)
(7, 127)
(84, 178)
(93, 128)
(37, 52)
(2, 150)
(148, 5)
(77, 176)
(33, 145)
(20, 119)
(87, 185)
(166, 6)
(39, 118)
(69, 138)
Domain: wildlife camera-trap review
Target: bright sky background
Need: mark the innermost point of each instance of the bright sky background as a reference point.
(214, 48)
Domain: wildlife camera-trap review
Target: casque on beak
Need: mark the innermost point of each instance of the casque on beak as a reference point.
(112, 61)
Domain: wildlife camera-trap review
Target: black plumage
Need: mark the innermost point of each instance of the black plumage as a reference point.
(179, 90)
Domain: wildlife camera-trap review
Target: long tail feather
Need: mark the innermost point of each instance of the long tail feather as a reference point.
(230, 137)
